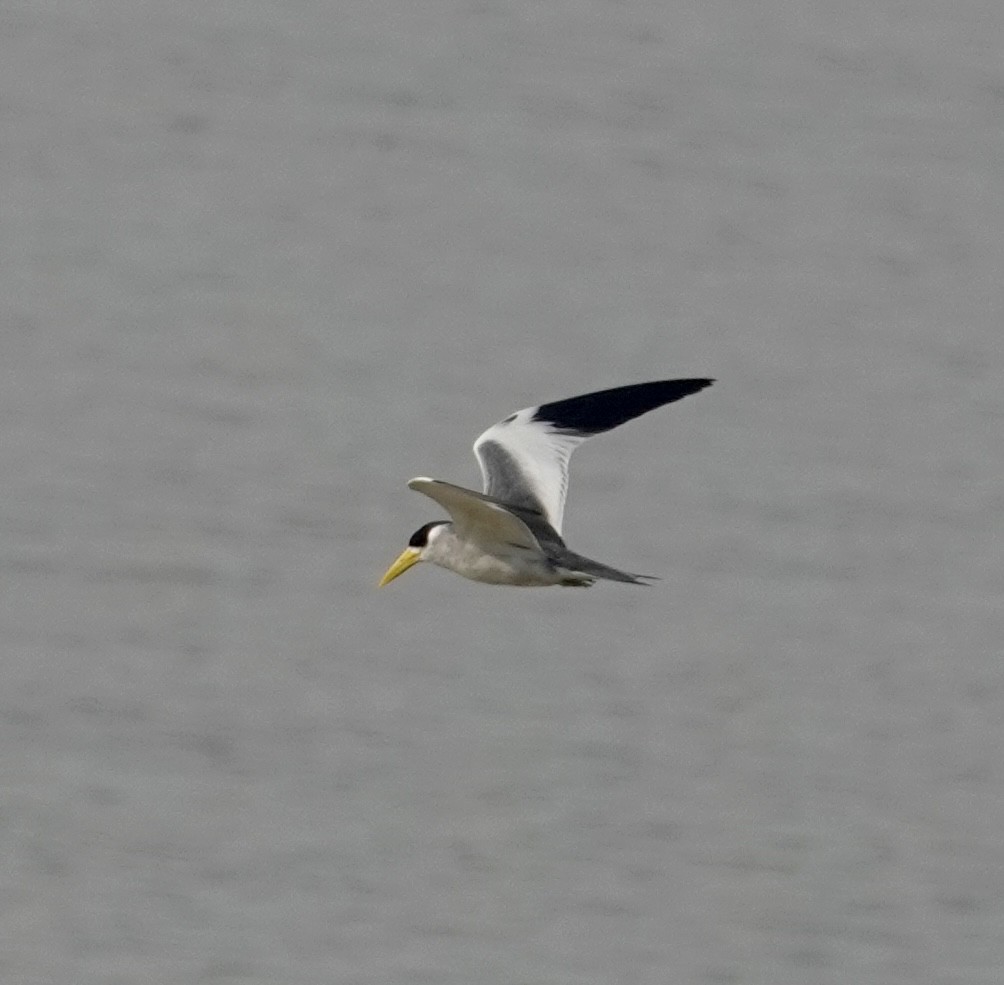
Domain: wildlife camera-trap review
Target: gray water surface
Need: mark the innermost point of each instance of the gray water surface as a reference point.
(263, 262)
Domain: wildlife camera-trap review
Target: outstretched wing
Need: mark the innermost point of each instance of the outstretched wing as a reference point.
(524, 459)
(477, 517)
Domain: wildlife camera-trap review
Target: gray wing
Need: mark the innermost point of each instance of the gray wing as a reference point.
(477, 517)
(524, 459)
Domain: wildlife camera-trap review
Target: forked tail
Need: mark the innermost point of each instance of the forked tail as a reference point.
(585, 565)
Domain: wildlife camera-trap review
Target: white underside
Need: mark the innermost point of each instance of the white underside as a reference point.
(502, 565)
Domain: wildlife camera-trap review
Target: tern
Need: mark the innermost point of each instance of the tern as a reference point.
(510, 534)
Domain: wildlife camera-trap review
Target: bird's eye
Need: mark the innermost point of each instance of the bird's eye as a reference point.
(421, 536)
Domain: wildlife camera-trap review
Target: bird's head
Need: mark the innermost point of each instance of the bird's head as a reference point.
(419, 546)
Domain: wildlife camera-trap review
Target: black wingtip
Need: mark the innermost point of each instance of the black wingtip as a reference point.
(593, 413)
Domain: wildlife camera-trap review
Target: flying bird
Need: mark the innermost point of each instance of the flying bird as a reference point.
(510, 534)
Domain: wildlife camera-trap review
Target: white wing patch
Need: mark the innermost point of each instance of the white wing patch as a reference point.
(525, 463)
(524, 459)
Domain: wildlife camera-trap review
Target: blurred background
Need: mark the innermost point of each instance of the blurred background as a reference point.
(263, 262)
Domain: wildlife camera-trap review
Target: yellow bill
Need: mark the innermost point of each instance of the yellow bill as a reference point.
(409, 556)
